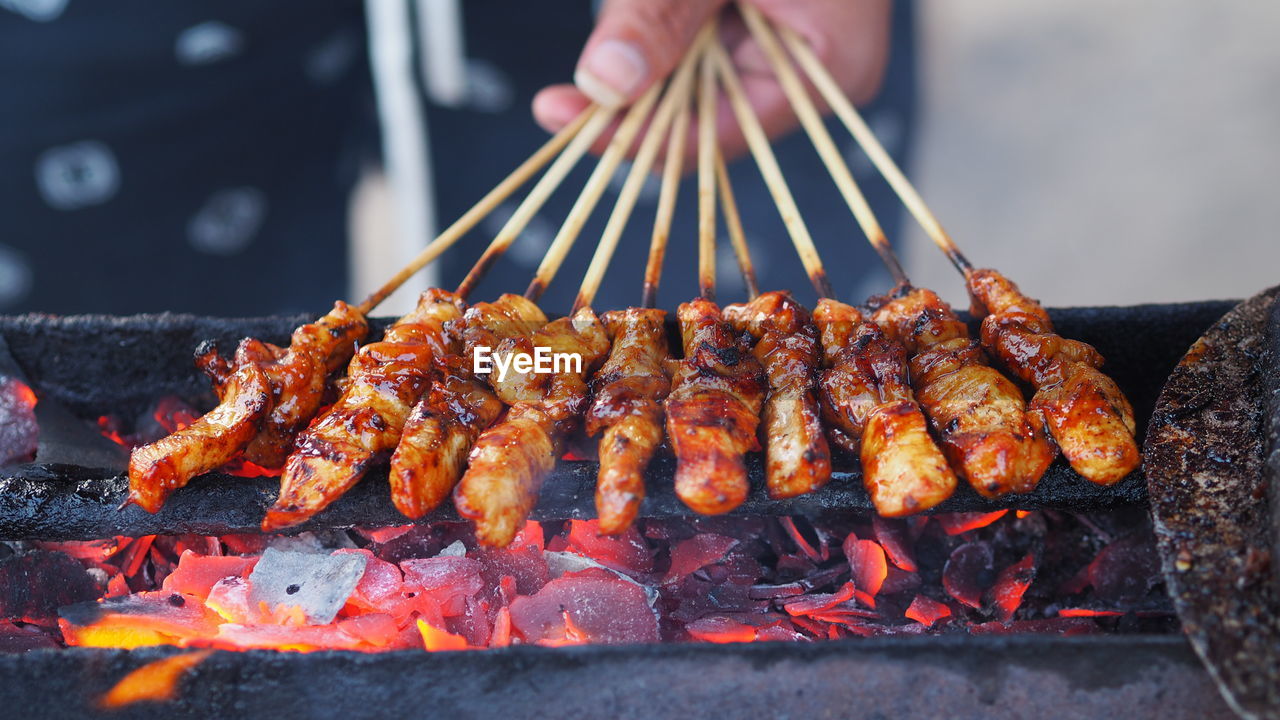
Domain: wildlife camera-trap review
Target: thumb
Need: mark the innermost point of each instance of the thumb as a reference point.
(635, 43)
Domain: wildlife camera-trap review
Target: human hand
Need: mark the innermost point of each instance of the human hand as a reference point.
(638, 42)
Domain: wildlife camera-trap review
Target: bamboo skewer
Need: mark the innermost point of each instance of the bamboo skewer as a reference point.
(537, 197)
(821, 138)
(733, 222)
(677, 139)
(675, 98)
(831, 92)
(479, 211)
(707, 143)
(613, 155)
(758, 142)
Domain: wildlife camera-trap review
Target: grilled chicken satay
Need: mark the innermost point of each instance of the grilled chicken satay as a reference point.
(297, 375)
(243, 420)
(156, 470)
(511, 459)
(979, 414)
(438, 435)
(1086, 412)
(798, 459)
(629, 389)
(871, 411)
(713, 410)
(384, 380)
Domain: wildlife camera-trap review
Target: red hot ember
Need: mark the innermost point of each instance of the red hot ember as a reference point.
(726, 579)
(19, 432)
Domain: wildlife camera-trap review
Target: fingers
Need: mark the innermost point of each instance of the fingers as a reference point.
(635, 43)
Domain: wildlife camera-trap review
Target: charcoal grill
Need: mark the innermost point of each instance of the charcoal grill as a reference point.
(97, 365)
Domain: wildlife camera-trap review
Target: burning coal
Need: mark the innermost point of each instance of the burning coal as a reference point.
(729, 579)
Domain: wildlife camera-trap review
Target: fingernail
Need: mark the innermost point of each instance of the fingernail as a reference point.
(611, 72)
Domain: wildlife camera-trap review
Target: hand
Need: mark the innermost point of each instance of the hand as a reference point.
(639, 42)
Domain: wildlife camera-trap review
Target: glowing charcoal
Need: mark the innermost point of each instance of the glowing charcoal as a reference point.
(19, 431)
(604, 607)
(150, 618)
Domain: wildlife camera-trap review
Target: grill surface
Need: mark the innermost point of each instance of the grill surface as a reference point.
(959, 677)
(97, 365)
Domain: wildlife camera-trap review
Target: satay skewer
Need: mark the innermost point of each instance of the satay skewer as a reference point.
(707, 178)
(481, 209)
(669, 189)
(822, 79)
(628, 390)
(733, 223)
(510, 459)
(595, 126)
(758, 143)
(1085, 411)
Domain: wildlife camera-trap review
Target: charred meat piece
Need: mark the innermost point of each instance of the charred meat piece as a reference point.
(169, 463)
(980, 415)
(437, 437)
(869, 406)
(297, 375)
(713, 410)
(263, 430)
(384, 380)
(798, 459)
(629, 390)
(1085, 411)
(511, 459)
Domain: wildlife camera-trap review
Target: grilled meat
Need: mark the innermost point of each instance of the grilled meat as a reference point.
(713, 410)
(798, 459)
(871, 411)
(629, 389)
(384, 380)
(437, 437)
(264, 431)
(1085, 411)
(169, 463)
(511, 459)
(297, 375)
(980, 415)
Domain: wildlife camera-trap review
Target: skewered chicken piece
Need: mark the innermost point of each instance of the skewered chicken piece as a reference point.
(629, 390)
(297, 375)
(871, 411)
(384, 380)
(438, 435)
(979, 414)
(798, 459)
(511, 459)
(713, 410)
(294, 384)
(445, 423)
(157, 469)
(1086, 412)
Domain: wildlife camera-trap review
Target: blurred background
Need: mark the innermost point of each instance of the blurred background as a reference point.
(225, 157)
(1098, 151)
(1102, 151)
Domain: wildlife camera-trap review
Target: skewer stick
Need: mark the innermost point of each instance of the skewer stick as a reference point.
(547, 184)
(821, 138)
(768, 164)
(676, 96)
(707, 143)
(591, 192)
(733, 221)
(844, 109)
(471, 217)
(671, 172)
